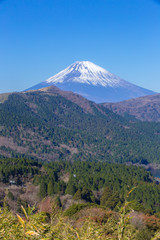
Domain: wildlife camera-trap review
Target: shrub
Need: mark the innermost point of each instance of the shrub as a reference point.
(10, 195)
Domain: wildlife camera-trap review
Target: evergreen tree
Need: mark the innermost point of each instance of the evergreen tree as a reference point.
(50, 188)
(86, 194)
(112, 201)
(10, 195)
(43, 189)
(71, 189)
(105, 196)
(58, 202)
(77, 195)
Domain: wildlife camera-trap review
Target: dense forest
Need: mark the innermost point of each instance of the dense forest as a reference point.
(102, 183)
(49, 126)
(99, 183)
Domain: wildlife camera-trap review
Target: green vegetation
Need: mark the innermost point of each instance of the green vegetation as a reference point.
(99, 183)
(79, 225)
(50, 127)
(101, 188)
(51, 148)
(17, 169)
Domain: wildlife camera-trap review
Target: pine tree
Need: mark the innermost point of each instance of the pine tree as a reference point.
(77, 195)
(86, 194)
(43, 189)
(50, 188)
(58, 202)
(10, 195)
(71, 189)
(105, 196)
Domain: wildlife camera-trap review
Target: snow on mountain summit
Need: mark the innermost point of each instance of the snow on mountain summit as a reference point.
(88, 73)
(93, 83)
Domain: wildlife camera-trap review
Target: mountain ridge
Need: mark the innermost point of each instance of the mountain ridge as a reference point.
(50, 124)
(146, 108)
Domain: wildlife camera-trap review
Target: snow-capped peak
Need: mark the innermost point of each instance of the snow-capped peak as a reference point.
(88, 73)
(94, 83)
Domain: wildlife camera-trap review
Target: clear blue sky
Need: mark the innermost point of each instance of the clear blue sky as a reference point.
(39, 38)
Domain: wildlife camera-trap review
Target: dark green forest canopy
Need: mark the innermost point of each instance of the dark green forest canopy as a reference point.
(95, 182)
(51, 127)
(17, 168)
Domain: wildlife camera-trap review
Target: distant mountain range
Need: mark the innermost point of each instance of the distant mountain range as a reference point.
(94, 83)
(51, 124)
(144, 108)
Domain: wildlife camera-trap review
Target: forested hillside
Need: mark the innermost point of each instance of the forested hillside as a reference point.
(77, 200)
(101, 183)
(143, 108)
(51, 124)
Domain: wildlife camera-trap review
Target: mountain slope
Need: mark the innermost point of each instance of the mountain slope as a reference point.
(51, 124)
(144, 108)
(94, 83)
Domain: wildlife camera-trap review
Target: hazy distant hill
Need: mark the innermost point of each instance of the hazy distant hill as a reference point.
(144, 108)
(51, 124)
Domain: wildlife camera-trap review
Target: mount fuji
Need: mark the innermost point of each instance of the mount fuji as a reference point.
(94, 83)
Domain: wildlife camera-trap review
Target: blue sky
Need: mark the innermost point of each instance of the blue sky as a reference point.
(39, 38)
